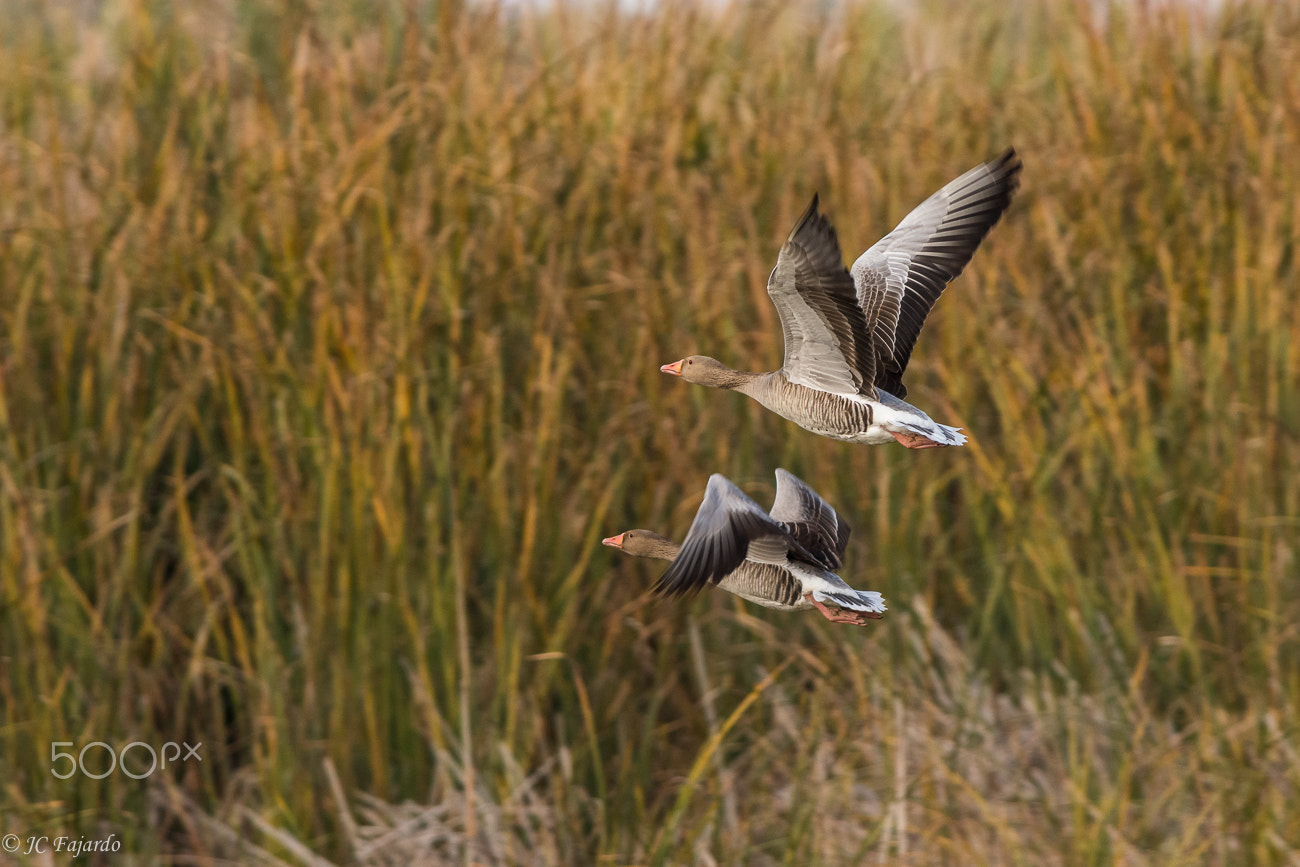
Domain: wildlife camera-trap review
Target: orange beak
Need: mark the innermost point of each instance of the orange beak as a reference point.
(614, 541)
(675, 368)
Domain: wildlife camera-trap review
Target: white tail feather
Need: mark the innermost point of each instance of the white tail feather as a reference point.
(896, 415)
(951, 435)
(854, 600)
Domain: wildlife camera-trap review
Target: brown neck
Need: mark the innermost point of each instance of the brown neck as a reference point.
(734, 380)
(661, 549)
(749, 383)
(646, 543)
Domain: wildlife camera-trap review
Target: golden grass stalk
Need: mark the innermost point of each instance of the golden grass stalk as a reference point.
(329, 338)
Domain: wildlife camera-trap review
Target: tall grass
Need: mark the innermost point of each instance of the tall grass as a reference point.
(330, 336)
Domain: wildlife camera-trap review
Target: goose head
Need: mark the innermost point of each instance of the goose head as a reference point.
(643, 543)
(703, 370)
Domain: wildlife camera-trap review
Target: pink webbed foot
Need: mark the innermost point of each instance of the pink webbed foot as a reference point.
(840, 615)
(916, 441)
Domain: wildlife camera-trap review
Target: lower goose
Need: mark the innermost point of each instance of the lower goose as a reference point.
(783, 560)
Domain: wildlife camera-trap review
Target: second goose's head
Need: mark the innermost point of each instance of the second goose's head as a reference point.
(706, 371)
(643, 543)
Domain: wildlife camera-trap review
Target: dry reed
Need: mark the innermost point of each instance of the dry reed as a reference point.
(329, 352)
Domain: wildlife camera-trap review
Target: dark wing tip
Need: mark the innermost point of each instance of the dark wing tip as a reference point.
(710, 551)
(676, 581)
(1006, 168)
(809, 215)
(668, 589)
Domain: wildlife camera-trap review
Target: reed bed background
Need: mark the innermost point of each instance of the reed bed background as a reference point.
(329, 349)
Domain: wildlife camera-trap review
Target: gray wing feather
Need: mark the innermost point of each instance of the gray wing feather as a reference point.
(827, 345)
(810, 519)
(728, 527)
(903, 274)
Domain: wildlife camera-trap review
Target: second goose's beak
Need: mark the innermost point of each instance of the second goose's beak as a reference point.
(614, 541)
(675, 368)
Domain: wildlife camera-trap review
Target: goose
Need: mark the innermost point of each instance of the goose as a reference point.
(783, 560)
(849, 334)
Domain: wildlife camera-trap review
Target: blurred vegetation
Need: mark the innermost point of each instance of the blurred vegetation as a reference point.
(329, 336)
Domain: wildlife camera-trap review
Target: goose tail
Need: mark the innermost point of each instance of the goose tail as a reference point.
(949, 436)
(900, 417)
(869, 602)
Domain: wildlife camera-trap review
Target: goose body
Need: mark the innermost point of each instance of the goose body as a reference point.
(852, 418)
(784, 559)
(849, 333)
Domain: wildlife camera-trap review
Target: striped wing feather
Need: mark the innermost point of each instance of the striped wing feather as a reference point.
(727, 526)
(902, 276)
(827, 345)
(810, 519)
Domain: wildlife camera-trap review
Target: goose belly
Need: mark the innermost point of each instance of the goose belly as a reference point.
(837, 416)
(857, 419)
(767, 584)
(773, 604)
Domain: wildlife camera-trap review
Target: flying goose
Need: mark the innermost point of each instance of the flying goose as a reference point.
(849, 334)
(781, 560)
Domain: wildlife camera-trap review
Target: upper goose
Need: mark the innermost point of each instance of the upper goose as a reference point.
(848, 335)
(782, 560)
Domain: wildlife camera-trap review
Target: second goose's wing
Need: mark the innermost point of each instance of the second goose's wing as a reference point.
(827, 345)
(903, 274)
(728, 527)
(810, 519)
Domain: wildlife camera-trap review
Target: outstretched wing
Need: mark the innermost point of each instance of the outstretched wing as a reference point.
(810, 519)
(902, 276)
(827, 346)
(728, 527)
